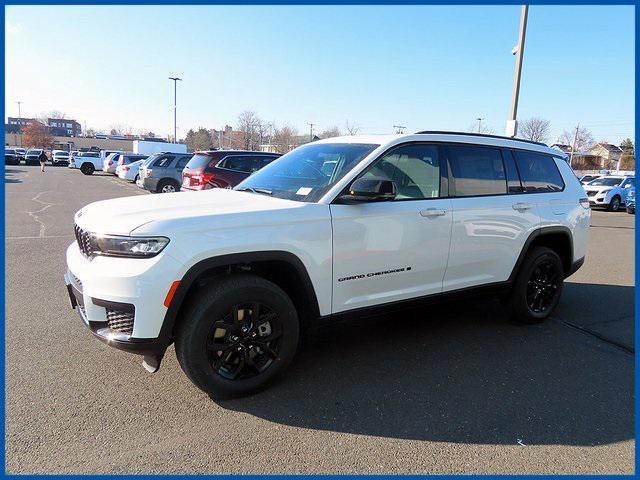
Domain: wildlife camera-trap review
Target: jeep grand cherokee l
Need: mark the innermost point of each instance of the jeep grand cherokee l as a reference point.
(336, 228)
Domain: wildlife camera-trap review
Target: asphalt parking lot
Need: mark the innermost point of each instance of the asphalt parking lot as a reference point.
(452, 389)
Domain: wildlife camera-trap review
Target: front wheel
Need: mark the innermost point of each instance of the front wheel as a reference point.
(237, 336)
(614, 206)
(538, 286)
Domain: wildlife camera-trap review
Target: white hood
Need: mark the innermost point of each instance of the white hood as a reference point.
(120, 216)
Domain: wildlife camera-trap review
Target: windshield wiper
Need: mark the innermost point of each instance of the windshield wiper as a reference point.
(262, 191)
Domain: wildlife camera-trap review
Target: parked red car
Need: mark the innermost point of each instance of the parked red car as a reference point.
(222, 168)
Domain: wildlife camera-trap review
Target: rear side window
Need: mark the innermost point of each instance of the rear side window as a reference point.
(538, 172)
(476, 171)
(164, 161)
(182, 162)
(239, 163)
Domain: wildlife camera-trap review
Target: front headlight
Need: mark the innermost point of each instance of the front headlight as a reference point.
(132, 247)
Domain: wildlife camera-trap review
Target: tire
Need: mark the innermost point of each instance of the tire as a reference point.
(614, 206)
(168, 186)
(87, 168)
(136, 179)
(212, 307)
(525, 289)
(631, 211)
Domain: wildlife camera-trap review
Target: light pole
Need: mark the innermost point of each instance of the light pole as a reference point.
(479, 124)
(175, 108)
(518, 51)
(20, 122)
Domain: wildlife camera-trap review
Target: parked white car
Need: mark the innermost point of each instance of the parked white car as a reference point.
(87, 162)
(129, 172)
(609, 191)
(59, 157)
(589, 177)
(110, 163)
(338, 228)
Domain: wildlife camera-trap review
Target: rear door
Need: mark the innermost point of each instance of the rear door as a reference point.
(492, 216)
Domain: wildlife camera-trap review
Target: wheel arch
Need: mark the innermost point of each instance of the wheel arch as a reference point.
(283, 268)
(557, 238)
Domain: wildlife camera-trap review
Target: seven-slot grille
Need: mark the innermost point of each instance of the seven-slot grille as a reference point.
(84, 241)
(120, 321)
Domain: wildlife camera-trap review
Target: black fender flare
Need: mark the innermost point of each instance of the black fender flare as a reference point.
(187, 281)
(539, 232)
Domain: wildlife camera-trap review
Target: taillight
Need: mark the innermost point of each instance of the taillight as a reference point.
(126, 169)
(584, 203)
(148, 174)
(199, 179)
(110, 162)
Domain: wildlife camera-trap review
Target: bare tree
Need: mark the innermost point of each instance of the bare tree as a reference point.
(352, 128)
(584, 139)
(535, 128)
(482, 128)
(250, 125)
(330, 132)
(285, 138)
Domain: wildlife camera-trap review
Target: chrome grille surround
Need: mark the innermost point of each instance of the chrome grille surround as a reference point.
(84, 241)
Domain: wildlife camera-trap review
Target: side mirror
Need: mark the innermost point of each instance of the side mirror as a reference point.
(370, 189)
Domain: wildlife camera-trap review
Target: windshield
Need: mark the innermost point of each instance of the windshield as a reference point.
(308, 172)
(606, 182)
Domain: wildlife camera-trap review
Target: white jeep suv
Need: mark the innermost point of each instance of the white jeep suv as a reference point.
(336, 228)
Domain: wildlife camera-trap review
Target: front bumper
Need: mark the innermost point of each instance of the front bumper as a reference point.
(102, 331)
(121, 300)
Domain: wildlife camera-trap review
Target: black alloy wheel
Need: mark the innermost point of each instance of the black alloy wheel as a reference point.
(542, 287)
(245, 341)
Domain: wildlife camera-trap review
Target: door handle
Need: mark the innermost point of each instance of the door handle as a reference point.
(521, 206)
(433, 212)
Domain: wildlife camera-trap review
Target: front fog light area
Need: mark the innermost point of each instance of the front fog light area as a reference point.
(142, 247)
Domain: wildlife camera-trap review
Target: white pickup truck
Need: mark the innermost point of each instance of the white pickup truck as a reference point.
(87, 162)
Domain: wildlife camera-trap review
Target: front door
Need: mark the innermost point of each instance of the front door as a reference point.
(395, 250)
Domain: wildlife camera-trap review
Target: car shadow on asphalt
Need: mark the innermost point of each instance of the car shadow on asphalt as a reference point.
(9, 173)
(458, 372)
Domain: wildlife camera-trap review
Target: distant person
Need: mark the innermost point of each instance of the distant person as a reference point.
(43, 160)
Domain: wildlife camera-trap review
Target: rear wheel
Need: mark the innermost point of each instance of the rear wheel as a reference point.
(237, 336)
(168, 186)
(87, 168)
(538, 286)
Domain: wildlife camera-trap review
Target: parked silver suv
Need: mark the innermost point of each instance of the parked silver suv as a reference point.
(162, 172)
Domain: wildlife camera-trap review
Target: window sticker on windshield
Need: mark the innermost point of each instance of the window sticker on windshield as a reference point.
(304, 191)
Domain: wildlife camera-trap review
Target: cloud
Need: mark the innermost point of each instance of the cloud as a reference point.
(12, 28)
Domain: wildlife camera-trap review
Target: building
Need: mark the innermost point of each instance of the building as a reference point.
(608, 154)
(64, 127)
(59, 127)
(15, 124)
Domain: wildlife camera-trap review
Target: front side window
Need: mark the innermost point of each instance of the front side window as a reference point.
(476, 171)
(538, 172)
(307, 172)
(414, 169)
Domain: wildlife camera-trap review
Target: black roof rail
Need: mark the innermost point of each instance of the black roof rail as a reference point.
(472, 134)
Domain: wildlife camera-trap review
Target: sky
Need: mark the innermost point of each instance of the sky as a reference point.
(423, 67)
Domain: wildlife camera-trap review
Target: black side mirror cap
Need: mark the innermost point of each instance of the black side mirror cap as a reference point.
(370, 189)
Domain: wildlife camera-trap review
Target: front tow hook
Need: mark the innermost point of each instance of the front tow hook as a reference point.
(151, 362)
